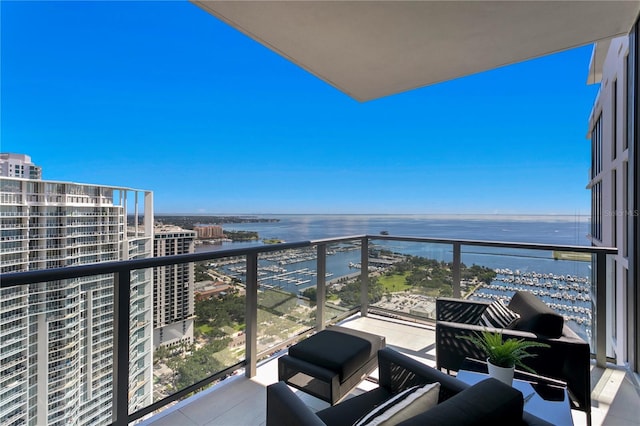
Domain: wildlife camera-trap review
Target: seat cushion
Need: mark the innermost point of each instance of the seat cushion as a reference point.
(535, 316)
(488, 402)
(336, 351)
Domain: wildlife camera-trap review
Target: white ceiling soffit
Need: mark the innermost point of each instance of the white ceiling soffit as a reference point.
(370, 49)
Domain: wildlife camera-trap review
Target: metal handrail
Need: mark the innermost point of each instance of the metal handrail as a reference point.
(43, 275)
(500, 244)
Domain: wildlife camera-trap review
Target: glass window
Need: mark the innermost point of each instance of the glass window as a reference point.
(596, 211)
(614, 119)
(625, 207)
(614, 205)
(629, 100)
(596, 148)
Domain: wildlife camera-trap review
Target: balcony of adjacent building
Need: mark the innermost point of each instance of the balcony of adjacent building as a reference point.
(383, 284)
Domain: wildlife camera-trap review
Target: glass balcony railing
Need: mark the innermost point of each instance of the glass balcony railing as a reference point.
(246, 304)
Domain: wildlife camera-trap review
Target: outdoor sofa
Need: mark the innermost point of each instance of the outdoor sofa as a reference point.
(489, 402)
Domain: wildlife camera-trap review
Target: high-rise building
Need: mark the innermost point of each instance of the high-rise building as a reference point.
(609, 177)
(19, 165)
(173, 286)
(56, 344)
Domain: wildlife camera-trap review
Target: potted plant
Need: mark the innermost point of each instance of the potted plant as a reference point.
(504, 355)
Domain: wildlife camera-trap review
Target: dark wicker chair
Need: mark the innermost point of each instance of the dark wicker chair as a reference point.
(567, 359)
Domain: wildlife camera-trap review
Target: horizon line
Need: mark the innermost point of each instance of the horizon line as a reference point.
(378, 214)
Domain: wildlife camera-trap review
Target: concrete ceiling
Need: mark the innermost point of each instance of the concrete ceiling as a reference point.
(371, 49)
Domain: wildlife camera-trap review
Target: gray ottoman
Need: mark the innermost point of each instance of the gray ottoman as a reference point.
(329, 364)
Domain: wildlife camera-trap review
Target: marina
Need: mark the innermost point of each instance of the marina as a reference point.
(295, 270)
(560, 279)
(294, 277)
(569, 295)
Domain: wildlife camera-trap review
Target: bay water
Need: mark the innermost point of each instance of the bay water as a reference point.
(556, 230)
(544, 229)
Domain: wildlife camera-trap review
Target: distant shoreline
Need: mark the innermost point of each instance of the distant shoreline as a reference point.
(253, 217)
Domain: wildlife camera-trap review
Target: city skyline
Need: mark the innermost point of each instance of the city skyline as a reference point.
(161, 95)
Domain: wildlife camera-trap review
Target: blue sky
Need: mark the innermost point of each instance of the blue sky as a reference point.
(163, 96)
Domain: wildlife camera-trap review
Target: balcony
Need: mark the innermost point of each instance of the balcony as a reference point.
(240, 400)
(345, 274)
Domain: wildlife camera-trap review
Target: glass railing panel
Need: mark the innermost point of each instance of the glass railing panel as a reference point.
(199, 322)
(287, 281)
(51, 326)
(342, 279)
(563, 280)
(406, 277)
(613, 299)
(141, 305)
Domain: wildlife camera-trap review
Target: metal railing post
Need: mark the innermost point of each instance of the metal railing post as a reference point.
(456, 271)
(601, 310)
(251, 315)
(321, 269)
(121, 327)
(364, 276)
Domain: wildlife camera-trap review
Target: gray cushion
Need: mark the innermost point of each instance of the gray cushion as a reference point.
(488, 402)
(535, 316)
(335, 351)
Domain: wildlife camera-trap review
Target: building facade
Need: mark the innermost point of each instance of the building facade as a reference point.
(19, 165)
(173, 288)
(209, 231)
(608, 181)
(56, 348)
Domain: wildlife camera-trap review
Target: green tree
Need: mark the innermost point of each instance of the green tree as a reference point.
(220, 311)
(161, 353)
(311, 294)
(200, 364)
(201, 270)
(350, 292)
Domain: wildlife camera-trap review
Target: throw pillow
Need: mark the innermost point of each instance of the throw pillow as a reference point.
(536, 316)
(408, 403)
(497, 315)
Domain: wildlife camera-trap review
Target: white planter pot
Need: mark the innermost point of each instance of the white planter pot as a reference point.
(505, 375)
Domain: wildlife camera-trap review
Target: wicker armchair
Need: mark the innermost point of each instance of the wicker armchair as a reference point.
(567, 359)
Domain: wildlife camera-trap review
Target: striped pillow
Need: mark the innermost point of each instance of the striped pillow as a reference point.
(405, 405)
(497, 315)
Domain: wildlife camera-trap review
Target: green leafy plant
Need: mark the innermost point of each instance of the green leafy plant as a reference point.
(504, 353)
